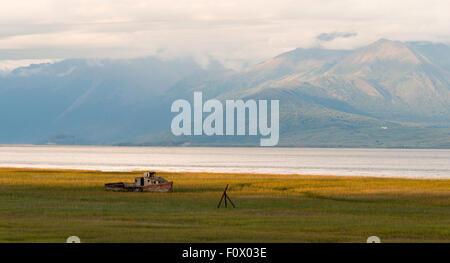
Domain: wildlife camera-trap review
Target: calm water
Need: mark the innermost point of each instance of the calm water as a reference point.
(368, 162)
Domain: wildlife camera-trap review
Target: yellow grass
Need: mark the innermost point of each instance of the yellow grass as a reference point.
(39, 205)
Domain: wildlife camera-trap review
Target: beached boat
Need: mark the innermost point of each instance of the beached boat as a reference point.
(148, 183)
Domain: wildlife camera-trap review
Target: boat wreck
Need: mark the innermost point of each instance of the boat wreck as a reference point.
(148, 183)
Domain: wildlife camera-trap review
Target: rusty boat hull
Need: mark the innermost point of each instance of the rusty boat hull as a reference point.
(129, 187)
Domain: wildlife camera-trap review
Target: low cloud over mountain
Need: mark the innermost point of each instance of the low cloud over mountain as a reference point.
(332, 36)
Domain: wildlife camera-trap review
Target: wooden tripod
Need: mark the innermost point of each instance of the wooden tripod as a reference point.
(225, 196)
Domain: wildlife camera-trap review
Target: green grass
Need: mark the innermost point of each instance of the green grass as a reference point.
(50, 205)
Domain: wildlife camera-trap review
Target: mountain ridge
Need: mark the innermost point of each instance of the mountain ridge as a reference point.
(327, 97)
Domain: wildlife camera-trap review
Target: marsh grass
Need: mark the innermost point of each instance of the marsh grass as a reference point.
(50, 205)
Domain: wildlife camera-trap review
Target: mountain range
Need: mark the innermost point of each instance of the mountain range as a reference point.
(386, 94)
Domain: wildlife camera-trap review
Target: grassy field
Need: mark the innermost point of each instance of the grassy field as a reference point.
(50, 205)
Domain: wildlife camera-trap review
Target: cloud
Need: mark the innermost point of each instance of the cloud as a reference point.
(9, 65)
(332, 36)
(235, 32)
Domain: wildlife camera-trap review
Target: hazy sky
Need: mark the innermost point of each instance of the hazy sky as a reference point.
(231, 31)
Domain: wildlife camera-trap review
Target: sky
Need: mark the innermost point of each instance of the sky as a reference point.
(235, 32)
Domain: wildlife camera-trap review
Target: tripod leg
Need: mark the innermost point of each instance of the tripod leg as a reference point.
(226, 197)
(220, 202)
(223, 195)
(230, 201)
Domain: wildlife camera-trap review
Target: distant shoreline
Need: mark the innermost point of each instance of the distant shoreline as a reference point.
(305, 176)
(226, 146)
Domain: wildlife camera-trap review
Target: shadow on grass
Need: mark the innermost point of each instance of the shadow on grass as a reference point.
(343, 199)
(197, 189)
